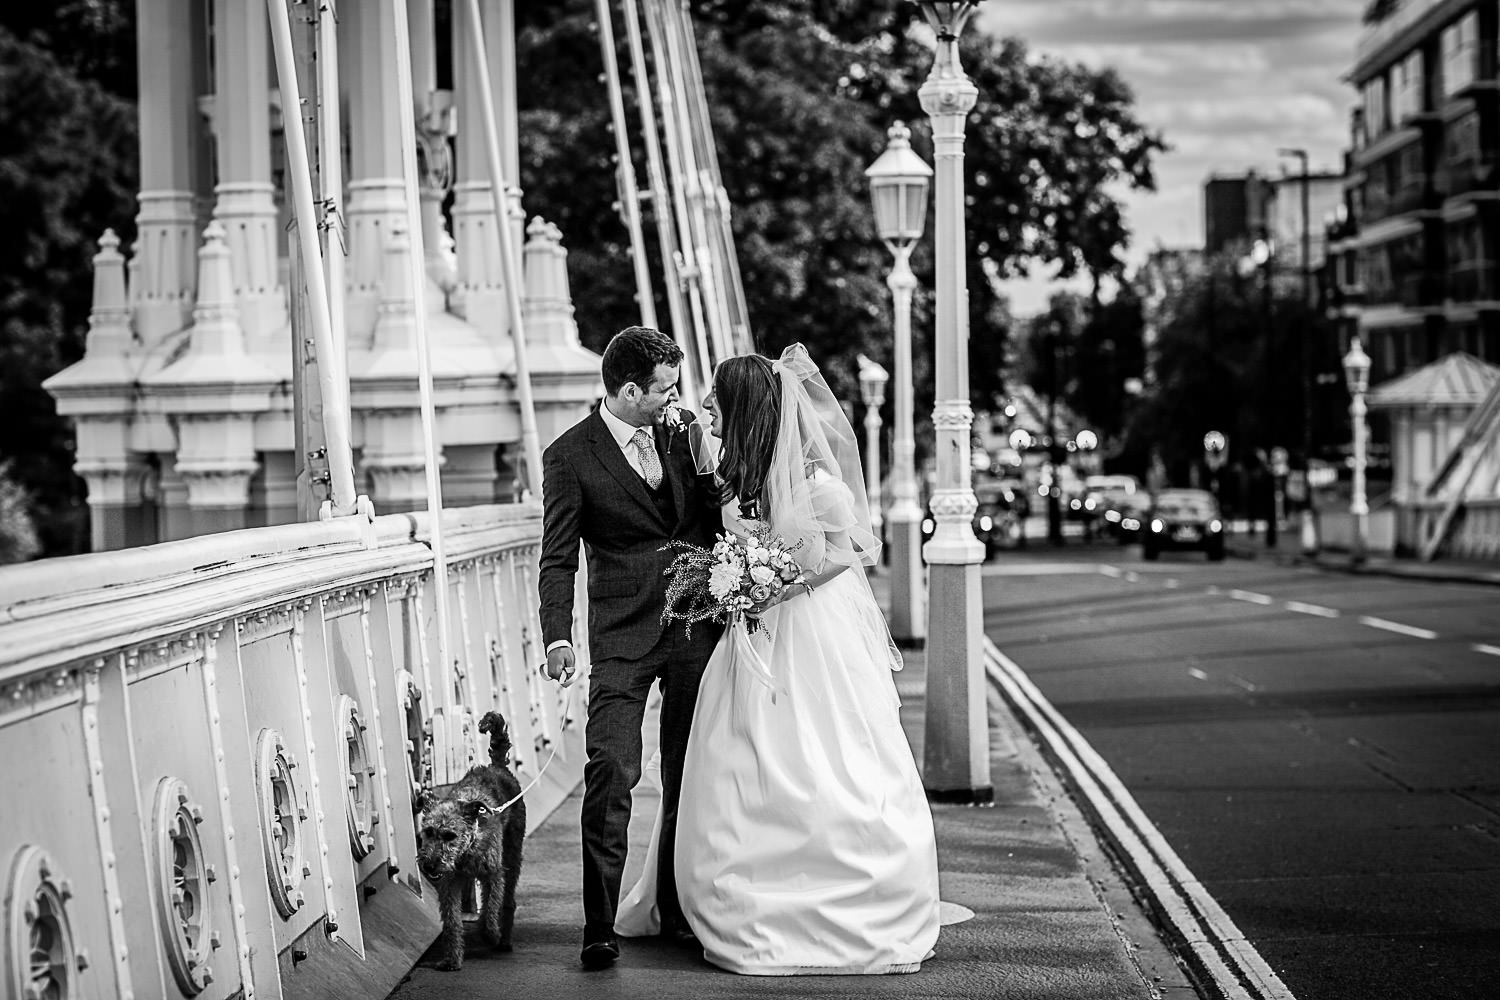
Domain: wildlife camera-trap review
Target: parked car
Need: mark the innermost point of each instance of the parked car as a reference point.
(1183, 519)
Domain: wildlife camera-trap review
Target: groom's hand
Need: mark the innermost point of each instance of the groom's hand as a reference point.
(562, 665)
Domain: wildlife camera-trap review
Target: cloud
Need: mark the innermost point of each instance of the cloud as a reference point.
(1227, 82)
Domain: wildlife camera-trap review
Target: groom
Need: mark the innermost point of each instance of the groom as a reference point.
(623, 481)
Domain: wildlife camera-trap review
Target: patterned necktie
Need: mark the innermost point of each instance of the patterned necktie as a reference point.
(650, 463)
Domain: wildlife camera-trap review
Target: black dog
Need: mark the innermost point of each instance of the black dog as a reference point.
(467, 835)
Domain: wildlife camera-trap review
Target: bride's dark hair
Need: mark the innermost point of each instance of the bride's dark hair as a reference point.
(748, 392)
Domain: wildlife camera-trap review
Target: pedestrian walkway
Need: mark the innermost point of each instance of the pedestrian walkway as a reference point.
(1288, 552)
(1039, 911)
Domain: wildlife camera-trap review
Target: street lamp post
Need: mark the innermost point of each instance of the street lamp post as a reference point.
(1357, 376)
(872, 380)
(899, 183)
(956, 763)
(1309, 515)
(1262, 258)
(1215, 447)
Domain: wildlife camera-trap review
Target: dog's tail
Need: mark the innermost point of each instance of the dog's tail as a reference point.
(494, 724)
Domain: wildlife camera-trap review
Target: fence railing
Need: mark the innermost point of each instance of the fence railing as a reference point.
(211, 746)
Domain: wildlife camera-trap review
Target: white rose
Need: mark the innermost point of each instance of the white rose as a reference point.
(762, 574)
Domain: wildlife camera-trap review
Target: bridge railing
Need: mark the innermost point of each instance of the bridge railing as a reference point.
(210, 749)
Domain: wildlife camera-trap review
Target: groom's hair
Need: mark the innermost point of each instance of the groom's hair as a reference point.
(632, 356)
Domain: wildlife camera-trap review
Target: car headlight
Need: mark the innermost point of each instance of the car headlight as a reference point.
(1112, 516)
(1157, 525)
(986, 522)
(1216, 525)
(1089, 505)
(1130, 524)
(926, 525)
(1074, 504)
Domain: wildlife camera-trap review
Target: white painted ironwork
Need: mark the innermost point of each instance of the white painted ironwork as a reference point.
(42, 961)
(183, 898)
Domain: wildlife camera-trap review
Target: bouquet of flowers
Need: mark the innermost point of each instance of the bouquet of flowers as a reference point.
(734, 578)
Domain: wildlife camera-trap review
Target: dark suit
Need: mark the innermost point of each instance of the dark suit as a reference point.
(591, 494)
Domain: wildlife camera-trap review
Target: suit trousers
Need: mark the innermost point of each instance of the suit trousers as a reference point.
(617, 705)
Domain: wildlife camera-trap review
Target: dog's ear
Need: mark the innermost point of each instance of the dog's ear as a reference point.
(419, 801)
(474, 810)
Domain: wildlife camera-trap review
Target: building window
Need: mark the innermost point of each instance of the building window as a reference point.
(1460, 45)
(1406, 88)
(1377, 120)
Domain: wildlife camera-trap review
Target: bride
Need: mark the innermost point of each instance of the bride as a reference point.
(804, 842)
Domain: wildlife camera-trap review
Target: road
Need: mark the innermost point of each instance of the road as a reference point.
(1322, 750)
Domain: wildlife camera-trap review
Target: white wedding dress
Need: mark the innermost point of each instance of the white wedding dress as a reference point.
(805, 844)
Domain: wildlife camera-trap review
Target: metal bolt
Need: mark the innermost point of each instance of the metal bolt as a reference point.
(213, 940)
(298, 956)
(82, 959)
(369, 891)
(210, 873)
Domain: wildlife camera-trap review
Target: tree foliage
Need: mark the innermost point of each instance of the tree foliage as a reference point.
(67, 171)
(1224, 360)
(801, 93)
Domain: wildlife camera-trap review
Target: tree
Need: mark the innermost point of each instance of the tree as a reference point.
(1210, 367)
(67, 171)
(801, 93)
(18, 541)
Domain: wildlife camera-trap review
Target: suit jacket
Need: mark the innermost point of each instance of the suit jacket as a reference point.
(591, 494)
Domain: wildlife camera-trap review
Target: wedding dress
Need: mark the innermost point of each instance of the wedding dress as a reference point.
(804, 841)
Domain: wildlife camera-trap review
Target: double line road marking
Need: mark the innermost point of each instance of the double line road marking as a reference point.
(1217, 947)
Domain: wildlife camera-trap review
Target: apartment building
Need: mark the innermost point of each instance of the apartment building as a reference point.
(1413, 248)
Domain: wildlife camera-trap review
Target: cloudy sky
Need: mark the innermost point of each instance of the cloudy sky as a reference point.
(1227, 82)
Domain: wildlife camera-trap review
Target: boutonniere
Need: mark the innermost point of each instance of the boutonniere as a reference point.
(672, 423)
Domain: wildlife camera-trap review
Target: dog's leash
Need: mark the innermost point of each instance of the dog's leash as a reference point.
(556, 746)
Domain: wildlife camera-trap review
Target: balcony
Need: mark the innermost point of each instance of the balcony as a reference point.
(1413, 195)
(1421, 291)
(1473, 282)
(1468, 176)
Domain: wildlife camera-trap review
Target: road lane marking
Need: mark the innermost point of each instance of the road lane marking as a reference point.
(1241, 682)
(1312, 609)
(1480, 647)
(1197, 674)
(1397, 627)
(1172, 583)
(1039, 569)
(1220, 948)
(1131, 576)
(1252, 597)
(1113, 571)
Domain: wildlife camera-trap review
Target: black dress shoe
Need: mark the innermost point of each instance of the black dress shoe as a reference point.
(600, 954)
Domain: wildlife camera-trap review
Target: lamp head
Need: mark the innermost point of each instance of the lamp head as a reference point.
(1356, 368)
(872, 380)
(1215, 442)
(899, 180)
(947, 18)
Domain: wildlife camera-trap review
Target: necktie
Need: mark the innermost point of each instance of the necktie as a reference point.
(650, 463)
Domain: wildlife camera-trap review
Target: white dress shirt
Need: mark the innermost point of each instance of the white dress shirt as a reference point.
(623, 434)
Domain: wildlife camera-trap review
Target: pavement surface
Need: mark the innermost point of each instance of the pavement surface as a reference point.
(1321, 749)
(1040, 912)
